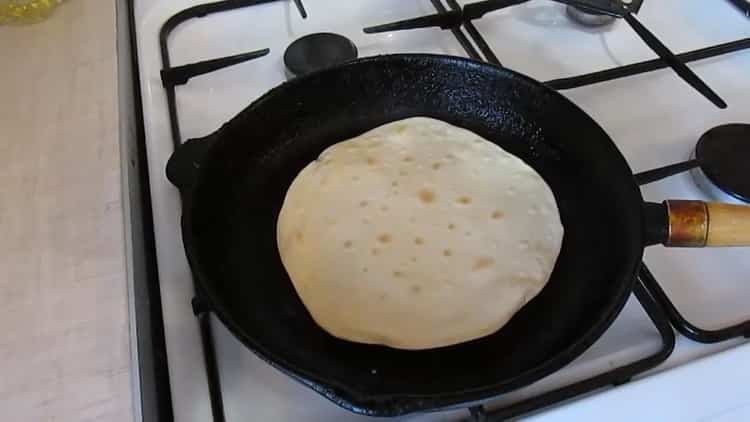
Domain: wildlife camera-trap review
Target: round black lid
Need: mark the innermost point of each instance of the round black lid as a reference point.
(724, 156)
(317, 51)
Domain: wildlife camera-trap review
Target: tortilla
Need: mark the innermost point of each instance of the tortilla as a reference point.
(417, 234)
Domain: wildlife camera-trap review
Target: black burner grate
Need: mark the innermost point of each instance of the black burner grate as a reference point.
(615, 8)
(613, 377)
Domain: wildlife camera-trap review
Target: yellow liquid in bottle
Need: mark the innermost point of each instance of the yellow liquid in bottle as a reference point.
(26, 11)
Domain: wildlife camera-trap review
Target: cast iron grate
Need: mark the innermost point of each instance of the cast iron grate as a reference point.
(625, 10)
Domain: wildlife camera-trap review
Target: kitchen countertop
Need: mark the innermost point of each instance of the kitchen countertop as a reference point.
(64, 348)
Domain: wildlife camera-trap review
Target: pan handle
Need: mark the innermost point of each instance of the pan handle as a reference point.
(683, 223)
(185, 163)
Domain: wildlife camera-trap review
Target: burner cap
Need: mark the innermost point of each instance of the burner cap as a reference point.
(724, 156)
(588, 17)
(317, 51)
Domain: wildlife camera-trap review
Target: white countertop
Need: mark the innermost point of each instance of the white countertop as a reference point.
(64, 348)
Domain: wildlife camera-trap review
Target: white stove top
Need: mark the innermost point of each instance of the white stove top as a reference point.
(654, 118)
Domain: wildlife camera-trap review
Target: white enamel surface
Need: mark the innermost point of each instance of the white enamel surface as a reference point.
(655, 119)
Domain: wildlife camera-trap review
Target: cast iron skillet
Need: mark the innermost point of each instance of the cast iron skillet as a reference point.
(233, 183)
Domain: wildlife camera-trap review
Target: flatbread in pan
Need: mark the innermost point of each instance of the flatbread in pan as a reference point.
(417, 234)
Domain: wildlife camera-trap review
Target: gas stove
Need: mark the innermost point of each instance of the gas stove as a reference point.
(200, 64)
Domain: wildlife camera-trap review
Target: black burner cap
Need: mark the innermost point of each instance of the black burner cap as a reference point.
(317, 51)
(724, 156)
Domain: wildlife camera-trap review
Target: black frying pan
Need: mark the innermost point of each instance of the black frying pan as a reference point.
(233, 183)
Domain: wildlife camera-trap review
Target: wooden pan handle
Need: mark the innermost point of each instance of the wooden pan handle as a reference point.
(698, 224)
(728, 225)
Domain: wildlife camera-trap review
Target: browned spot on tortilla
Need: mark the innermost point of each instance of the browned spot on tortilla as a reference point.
(451, 226)
(447, 252)
(363, 203)
(348, 244)
(419, 241)
(427, 196)
(384, 238)
(371, 161)
(397, 274)
(483, 262)
(375, 251)
(436, 166)
(415, 288)
(466, 200)
(497, 214)
(408, 159)
(300, 237)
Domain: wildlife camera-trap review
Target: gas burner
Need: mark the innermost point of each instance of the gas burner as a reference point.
(317, 51)
(722, 155)
(588, 17)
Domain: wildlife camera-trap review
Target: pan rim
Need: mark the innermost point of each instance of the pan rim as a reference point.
(396, 404)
